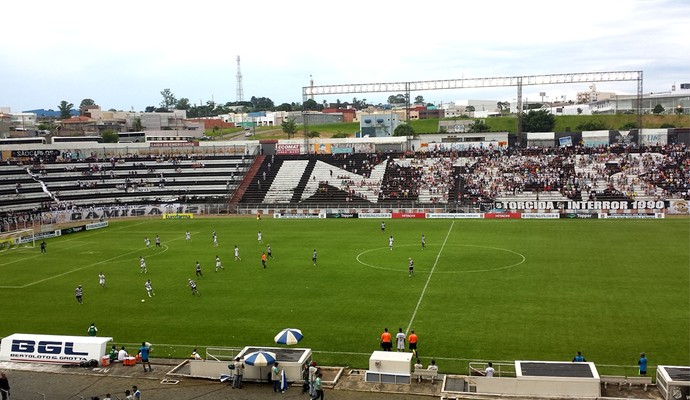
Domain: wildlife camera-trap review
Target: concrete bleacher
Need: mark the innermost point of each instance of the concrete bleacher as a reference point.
(133, 180)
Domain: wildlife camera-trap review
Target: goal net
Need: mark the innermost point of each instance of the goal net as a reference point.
(17, 239)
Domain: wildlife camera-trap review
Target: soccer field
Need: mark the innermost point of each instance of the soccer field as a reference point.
(494, 290)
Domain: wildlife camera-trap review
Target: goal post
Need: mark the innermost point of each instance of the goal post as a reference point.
(17, 239)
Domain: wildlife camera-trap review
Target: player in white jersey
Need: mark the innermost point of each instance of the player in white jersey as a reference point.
(142, 265)
(192, 285)
(237, 254)
(259, 238)
(390, 242)
(218, 264)
(101, 279)
(147, 242)
(149, 288)
(187, 236)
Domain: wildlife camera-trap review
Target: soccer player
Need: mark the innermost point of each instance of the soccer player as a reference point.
(142, 265)
(198, 270)
(400, 340)
(313, 258)
(78, 293)
(269, 252)
(263, 259)
(237, 254)
(383, 226)
(158, 241)
(147, 242)
(187, 236)
(390, 242)
(423, 242)
(192, 285)
(259, 238)
(149, 288)
(218, 264)
(215, 241)
(411, 266)
(101, 279)
(43, 247)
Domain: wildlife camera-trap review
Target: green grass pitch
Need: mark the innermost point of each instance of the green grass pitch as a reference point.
(482, 289)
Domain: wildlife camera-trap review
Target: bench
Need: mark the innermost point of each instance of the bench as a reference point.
(639, 380)
(421, 373)
(613, 379)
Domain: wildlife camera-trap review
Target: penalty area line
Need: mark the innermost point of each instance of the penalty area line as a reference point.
(428, 279)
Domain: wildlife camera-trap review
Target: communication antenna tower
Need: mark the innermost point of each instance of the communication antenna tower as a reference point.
(240, 91)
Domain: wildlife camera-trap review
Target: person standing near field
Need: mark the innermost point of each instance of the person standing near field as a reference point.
(423, 242)
(43, 247)
(198, 270)
(263, 259)
(144, 351)
(411, 266)
(4, 386)
(412, 340)
(237, 254)
(400, 340)
(390, 242)
(383, 226)
(92, 331)
(386, 340)
(642, 363)
(101, 279)
(313, 258)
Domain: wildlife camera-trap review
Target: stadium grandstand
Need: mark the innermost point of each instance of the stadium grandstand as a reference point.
(252, 177)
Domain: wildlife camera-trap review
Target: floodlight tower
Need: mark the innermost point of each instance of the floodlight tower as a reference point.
(240, 91)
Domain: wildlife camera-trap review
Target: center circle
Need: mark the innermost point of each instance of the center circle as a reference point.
(495, 252)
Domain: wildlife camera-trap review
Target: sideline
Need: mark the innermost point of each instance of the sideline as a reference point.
(428, 279)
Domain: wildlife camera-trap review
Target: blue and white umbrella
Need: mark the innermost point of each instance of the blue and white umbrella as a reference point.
(288, 336)
(283, 381)
(260, 358)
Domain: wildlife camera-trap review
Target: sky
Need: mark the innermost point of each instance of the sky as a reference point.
(124, 54)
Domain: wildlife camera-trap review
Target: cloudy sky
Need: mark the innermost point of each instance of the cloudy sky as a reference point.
(123, 54)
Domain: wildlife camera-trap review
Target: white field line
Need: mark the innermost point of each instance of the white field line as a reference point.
(428, 279)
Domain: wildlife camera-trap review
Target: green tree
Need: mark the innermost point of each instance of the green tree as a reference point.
(313, 134)
(284, 107)
(478, 126)
(169, 100)
(579, 111)
(109, 136)
(538, 121)
(404, 130)
(658, 109)
(396, 99)
(340, 135)
(311, 105)
(419, 100)
(262, 104)
(150, 109)
(138, 125)
(289, 127)
(86, 102)
(469, 109)
(65, 109)
(678, 110)
(628, 126)
(183, 104)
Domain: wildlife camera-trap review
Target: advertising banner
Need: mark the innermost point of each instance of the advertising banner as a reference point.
(287, 149)
(179, 143)
(121, 212)
(297, 216)
(47, 154)
(409, 215)
(580, 205)
(505, 215)
(178, 216)
(678, 206)
(322, 148)
(341, 149)
(97, 225)
(341, 215)
(455, 215)
(540, 215)
(73, 229)
(376, 215)
(579, 215)
(55, 349)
